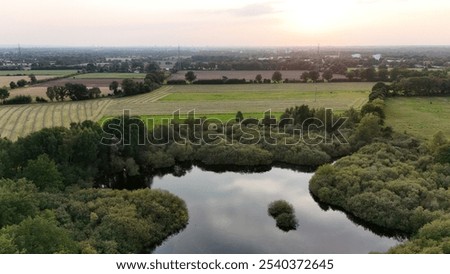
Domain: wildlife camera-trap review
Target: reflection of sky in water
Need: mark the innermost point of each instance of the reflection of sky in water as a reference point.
(228, 214)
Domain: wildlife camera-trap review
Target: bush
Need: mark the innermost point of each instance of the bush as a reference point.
(41, 99)
(19, 99)
(176, 82)
(209, 82)
(279, 207)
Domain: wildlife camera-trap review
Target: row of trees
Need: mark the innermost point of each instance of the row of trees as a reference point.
(76, 92)
(413, 86)
(277, 77)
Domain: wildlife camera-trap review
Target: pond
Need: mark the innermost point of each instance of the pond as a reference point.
(228, 214)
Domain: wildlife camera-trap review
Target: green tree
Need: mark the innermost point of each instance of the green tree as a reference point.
(383, 74)
(60, 93)
(350, 75)
(327, 75)
(239, 116)
(304, 76)
(152, 67)
(258, 78)
(33, 79)
(4, 94)
(368, 74)
(314, 75)
(277, 77)
(51, 94)
(13, 85)
(190, 76)
(368, 129)
(17, 201)
(22, 83)
(279, 207)
(40, 235)
(44, 173)
(114, 87)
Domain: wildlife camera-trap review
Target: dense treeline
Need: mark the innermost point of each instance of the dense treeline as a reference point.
(413, 86)
(86, 221)
(394, 181)
(46, 171)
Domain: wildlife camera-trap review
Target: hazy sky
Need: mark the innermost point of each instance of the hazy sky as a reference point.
(224, 23)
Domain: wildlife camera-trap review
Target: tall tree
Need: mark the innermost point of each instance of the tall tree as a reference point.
(190, 76)
(51, 94)
(305, 76)
(277, 77)
(258, 78)
(33, 79)
(314, 75)
(327, 75)
(4, 94)
(44, 173)
(114, 87)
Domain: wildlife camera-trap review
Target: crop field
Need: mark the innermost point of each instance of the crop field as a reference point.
(20, 120)
(5, 80)
(108, 75)
(240, 74)
(52, 73)
(422, 117)
(221, 102)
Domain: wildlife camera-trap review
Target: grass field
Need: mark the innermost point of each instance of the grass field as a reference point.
(37, 72)
(223, 117)
(111, 76)
(220, 102)
(20, 120)
(422, 117)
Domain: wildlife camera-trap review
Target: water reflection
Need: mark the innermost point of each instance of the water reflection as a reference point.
(228, 214)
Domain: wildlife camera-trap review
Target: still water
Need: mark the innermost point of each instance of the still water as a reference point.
(228, 214)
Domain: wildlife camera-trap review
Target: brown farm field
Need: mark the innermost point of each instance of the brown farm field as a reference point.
(248, 75)
(5, 80)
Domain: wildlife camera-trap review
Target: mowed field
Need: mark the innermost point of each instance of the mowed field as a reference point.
(20, 120)
(223, 101)
(240, 74)
(419, 116)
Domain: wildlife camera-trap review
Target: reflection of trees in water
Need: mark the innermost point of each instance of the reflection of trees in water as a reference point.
(378, 230)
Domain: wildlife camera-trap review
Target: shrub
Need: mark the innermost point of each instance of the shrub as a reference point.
(279, 207)
(19, 99)
(176, 82)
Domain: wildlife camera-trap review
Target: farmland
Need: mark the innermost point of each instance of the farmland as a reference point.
(36, 72)
(223, 101)
(421, 117)
(248, 75)
(16, 121)
(5, 80)
(111, 76)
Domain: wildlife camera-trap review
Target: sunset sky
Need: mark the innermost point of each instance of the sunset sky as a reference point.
(224, 23)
